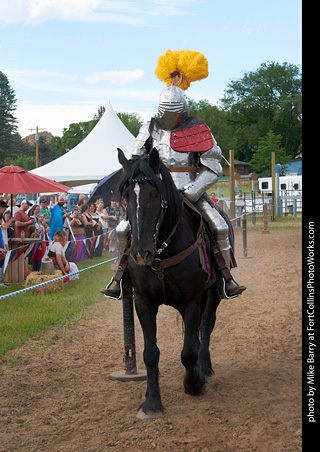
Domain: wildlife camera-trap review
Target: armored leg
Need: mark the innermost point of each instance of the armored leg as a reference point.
(220, 231)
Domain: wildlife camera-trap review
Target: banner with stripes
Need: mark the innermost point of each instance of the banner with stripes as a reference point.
(40, 249)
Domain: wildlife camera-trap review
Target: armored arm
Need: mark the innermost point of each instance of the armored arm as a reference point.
(210, 169)
(143, 135)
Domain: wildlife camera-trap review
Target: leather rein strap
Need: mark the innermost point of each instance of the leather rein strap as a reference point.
(158, 265)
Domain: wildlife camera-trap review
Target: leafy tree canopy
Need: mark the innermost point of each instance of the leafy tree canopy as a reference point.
(261, 160)
(268, 99)
(8, 123)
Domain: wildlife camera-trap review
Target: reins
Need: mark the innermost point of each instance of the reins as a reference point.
(159, 265)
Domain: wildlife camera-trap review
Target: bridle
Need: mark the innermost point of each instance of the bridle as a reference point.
(164, 207)
(159, 265)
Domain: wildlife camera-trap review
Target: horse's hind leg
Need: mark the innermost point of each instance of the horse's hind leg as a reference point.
(152, 407)
(211, 302)
(193, 378)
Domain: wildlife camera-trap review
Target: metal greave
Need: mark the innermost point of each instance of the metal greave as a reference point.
(218, 227)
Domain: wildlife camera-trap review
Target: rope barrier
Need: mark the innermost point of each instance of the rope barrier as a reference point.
(27, 289)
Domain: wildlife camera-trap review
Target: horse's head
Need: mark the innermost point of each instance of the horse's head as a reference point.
(148, 189)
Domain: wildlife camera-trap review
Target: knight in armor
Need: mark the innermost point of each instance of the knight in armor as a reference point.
(188, 149)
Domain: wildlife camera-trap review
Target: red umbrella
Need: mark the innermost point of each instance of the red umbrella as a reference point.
(14, 179)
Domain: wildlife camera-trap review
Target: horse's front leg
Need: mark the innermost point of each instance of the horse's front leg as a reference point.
(152, 407)
(193, 378)
(210, 302)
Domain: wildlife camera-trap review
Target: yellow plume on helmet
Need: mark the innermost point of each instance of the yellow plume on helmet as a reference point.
(181, 67)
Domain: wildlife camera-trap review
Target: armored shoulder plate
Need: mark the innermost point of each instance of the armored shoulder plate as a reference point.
(192, 136)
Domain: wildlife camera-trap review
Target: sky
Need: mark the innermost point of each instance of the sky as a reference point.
(66, 58)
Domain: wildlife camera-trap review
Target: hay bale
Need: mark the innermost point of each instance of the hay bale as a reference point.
(34, 278)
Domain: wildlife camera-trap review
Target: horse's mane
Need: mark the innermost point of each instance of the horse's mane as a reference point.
(162, 180)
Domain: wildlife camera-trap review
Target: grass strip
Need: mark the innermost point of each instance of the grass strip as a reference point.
(27, 315)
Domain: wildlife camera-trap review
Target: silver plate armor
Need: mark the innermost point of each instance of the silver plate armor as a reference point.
(193, 184)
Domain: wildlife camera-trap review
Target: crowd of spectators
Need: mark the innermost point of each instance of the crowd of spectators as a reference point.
(42, 221)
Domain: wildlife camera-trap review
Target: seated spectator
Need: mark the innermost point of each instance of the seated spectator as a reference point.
(57, 254)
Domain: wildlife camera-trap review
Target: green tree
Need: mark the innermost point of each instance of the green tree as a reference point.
(9, 138)
(217, 121)
(132, 121)
(72, 136)
(24, 161)
(261, 159)
(268, 99)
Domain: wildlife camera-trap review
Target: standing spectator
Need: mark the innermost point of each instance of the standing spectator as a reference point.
(34, 212)
(58, 214)
(239, 203)
(90, 221)
(103, 217)
(44, 209)
(82, 199)
(22, 220)
(3, 250)
(3, 240)
(113, 215)
(15, 208)
(21, 224)
(213, 197)
(6, 224)
(78, 224)
(35, 256)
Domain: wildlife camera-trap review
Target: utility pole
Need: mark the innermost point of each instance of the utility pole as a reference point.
(37, 144)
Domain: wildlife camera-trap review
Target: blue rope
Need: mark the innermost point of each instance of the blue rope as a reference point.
(27, 289)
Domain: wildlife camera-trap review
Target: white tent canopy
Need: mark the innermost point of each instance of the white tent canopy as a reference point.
(95, 157)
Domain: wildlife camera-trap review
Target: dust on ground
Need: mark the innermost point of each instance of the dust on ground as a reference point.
(56, 395)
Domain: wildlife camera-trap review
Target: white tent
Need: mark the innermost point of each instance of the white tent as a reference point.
(95, 157)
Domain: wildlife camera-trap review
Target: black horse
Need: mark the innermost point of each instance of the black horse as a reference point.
(165, 267)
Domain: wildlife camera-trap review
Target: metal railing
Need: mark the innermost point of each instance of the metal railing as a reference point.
(252, 203)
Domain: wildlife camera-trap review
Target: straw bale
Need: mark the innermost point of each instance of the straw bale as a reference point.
(34, 278)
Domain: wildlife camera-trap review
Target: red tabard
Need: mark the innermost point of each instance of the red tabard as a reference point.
(192, 139)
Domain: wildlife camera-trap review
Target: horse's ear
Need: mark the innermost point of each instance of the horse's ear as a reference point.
(122, 159)
(155, 160)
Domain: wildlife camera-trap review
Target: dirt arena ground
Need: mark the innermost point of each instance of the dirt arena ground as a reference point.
(58, 398)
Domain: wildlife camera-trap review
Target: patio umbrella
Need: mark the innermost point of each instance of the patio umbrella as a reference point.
(14, 179)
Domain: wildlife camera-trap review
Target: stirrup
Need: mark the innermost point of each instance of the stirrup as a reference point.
(223, 293)
(110, 296)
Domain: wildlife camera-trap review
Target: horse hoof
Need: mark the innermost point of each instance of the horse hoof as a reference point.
(209, 377)
(150, 415)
